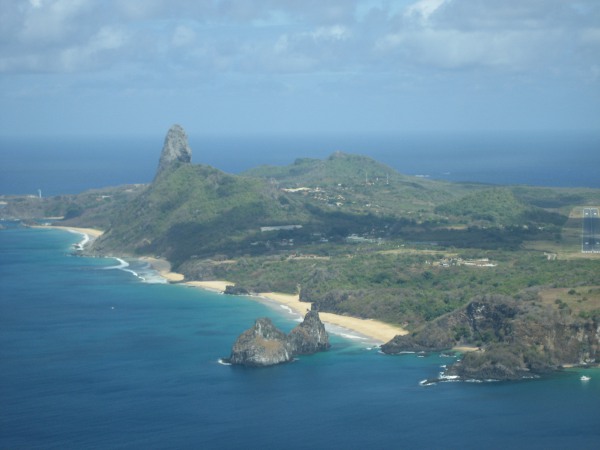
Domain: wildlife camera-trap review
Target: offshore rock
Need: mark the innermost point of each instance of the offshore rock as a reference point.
(175, 149)
(234, 289)
(309, 336)
(262, 345)
(266, 345)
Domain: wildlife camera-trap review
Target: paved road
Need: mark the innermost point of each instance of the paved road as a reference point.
(590, 238)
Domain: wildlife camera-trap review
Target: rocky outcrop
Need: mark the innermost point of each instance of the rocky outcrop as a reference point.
(262, 345)
(266, 345)
(502, 362)
(310, 336)
(232, 289)
(175, 149)
(517, 339)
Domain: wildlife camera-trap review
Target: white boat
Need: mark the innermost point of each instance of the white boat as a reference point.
(585, 378)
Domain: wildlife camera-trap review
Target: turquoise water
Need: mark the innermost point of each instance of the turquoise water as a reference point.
(93, 357)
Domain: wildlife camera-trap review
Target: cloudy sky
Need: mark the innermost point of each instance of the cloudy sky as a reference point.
(118, 67)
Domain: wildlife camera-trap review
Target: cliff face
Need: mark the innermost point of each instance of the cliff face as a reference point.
(262, 345)
(266, 345)
(175, 149)
(309, 337)
(516, 339)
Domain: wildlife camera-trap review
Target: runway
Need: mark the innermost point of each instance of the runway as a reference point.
(590, 236)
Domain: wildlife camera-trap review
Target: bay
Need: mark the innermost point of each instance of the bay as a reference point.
(93, 357)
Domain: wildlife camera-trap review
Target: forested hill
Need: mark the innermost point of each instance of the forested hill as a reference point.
(360, 184)
(196, 211)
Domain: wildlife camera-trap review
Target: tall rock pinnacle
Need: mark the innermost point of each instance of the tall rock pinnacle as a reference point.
(175, 149)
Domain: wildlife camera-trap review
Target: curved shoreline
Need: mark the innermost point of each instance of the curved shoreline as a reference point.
(375, 330)
(93, 233)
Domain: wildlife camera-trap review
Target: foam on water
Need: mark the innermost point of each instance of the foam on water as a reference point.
(144, 272)
(84, 240)
(122, 265)
(287, 308)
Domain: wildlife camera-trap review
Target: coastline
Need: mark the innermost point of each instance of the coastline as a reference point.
(374, 330)
(163, 267)
(371, 329)
(92, 233)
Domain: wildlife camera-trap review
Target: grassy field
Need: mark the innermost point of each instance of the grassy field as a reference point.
(581, 301)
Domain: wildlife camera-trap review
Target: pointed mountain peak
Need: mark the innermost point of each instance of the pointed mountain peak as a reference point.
(175, 149)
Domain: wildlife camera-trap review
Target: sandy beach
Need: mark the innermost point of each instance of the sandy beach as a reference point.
(375, 330)
(91, 232)
(467, 349)
(163, 267)
(371, 329)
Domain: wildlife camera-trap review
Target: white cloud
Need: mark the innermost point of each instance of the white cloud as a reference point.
(451, 49)
(89, 54)
(312, 36)
(53, 20)
(515, 35)
(423, 9)
(331, 33)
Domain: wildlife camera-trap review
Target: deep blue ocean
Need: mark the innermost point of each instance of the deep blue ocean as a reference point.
(91, 356)
(71, 165)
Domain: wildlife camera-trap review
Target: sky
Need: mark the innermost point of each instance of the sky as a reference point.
(134, 67)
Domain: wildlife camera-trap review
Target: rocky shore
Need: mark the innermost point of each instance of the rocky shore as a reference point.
(265, 345)
(515, 340)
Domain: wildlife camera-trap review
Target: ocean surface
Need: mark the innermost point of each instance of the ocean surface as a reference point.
(98, 353)
(101, 353)
(71, 165)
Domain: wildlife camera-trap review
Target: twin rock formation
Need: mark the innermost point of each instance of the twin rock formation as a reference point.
(266, 345)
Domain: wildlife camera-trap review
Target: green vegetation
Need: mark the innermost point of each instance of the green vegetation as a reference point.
(350, 234)
(403, 288)
(499, 206)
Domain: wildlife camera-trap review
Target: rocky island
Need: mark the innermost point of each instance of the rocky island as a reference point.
(265, 345)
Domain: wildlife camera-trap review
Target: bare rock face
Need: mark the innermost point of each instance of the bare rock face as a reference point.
(262, 345)
(175, 149)
(309, 336)
(516, 339)
(266, 345)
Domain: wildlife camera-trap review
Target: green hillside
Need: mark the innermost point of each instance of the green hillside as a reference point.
(350, 234)
(358, 184)
(196, 210)
(498, 206)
